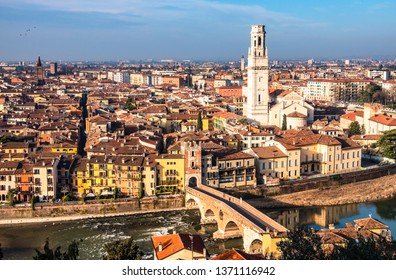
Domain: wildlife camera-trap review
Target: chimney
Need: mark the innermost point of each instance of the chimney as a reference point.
(331, 227)
(160, 247)
(204, 253)
(275, 233)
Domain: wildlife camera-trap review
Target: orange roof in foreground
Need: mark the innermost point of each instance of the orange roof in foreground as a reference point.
(370, 223)
(174, 243)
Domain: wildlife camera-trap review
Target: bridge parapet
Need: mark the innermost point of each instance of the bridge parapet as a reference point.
(270, 223)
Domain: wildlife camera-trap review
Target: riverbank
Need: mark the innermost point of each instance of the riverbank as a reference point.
(81, 217)
(365, 191)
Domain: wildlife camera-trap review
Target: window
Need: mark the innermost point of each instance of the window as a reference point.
(270, 165)
(263, 165)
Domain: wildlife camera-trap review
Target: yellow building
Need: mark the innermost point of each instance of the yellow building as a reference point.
(100, 174)
(129, 175)
(170, 173)
(220, 119)
(64, 148)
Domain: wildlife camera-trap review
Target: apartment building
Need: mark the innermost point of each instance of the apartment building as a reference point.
(335, 90)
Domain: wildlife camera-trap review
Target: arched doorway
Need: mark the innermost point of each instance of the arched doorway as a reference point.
(192, 182)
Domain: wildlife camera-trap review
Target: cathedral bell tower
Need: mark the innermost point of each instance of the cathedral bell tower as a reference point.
(256, 96)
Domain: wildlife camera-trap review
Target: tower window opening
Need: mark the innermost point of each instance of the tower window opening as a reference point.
(259, 41)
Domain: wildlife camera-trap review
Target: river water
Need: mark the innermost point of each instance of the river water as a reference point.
(19, 241)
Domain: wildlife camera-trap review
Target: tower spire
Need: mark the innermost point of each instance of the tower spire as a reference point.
(256, 96)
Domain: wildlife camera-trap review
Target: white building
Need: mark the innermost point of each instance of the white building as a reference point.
(298, 112)
(122, 77)
(256, 97)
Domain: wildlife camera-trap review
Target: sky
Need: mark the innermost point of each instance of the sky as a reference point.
(112, 30)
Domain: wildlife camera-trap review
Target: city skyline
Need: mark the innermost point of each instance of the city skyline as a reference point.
(196, 29)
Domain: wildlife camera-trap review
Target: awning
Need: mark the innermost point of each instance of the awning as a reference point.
(91, 195)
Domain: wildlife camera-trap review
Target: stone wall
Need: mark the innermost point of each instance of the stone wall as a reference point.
(69, 209)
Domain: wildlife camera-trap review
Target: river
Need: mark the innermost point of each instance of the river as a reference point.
(19, 241)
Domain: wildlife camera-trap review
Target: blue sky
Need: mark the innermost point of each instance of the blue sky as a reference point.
(194, 29)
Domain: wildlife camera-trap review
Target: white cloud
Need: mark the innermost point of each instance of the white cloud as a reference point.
(158, 10)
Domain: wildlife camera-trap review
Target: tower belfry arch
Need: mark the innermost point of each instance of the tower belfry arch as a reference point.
(256, 94)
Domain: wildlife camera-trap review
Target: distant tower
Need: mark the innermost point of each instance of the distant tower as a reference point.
(53, 68)
(40, 72)
(242, 63)
(256, 96)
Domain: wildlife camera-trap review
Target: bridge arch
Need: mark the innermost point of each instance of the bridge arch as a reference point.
(256, 247)
(232, 230)
(191, 203)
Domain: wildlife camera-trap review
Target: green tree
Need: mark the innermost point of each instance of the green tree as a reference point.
(284, 122)
(129, 104)
(365, 248)
(72, 252)
(302, 244)
(33, 202)
(387, 143)
(199, 122)
(11, 196)
(354, 128)
(122, 250)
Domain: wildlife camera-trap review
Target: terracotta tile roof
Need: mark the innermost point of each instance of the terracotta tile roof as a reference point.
(269, 152)
(383, 119)
(370, 223)
(347, 142)
(233, 156)
(352, 116)
(374, 137)
(235, 254)
(296, 114)
(174, 243)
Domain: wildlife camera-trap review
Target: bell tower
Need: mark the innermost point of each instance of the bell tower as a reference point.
(40, 72)
(256, 96)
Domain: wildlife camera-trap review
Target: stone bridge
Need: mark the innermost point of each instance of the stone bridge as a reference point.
(233, 216)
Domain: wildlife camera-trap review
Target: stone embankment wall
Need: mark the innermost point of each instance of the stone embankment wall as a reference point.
(69, 209)
(293, 186)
